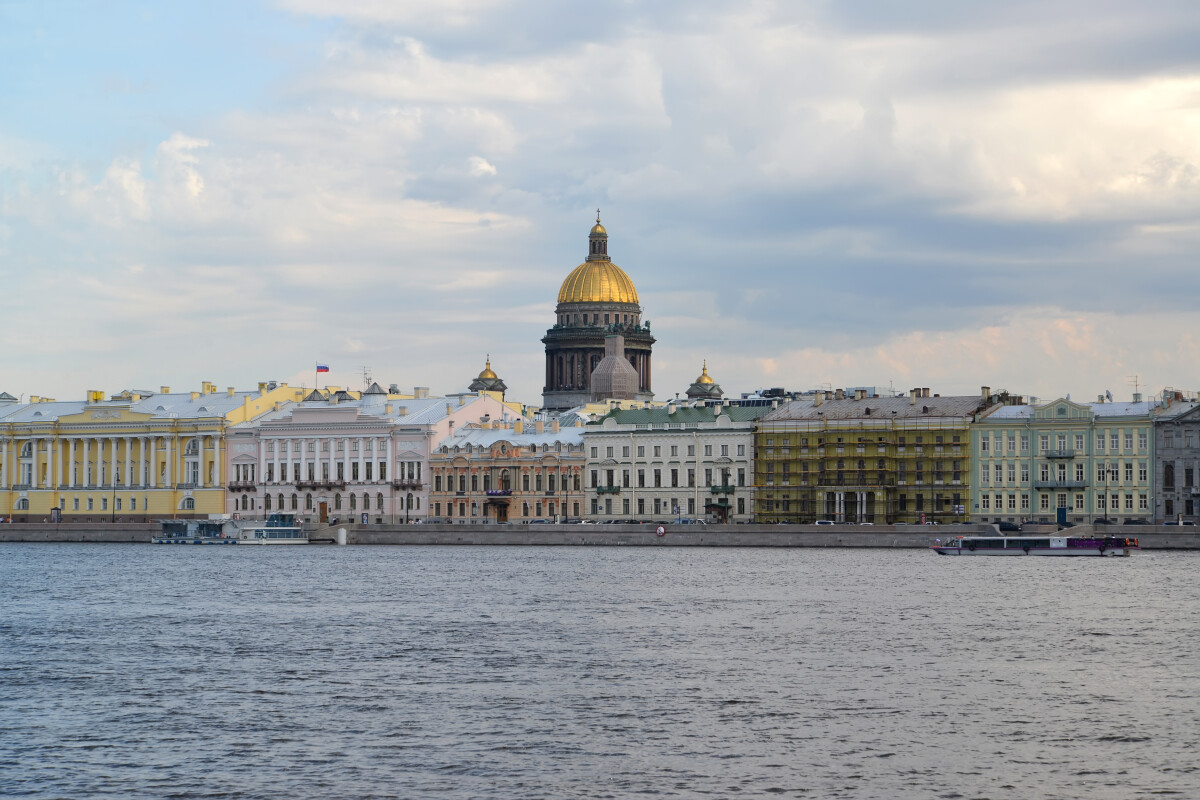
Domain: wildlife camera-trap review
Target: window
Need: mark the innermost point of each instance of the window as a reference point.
(1143, 502)
(657, 451)
(1141, 440)
(1099, 441)
(1024, 502)
(1101, 502)
(1129, 441)
(1044, 442)
(691, 449)
(641, 451)
(596, 452)
(1079, 442)
(608, 452)
(625, 451)
(741, 451)
(1012, 443)
(984, 442)
(987, 502)
(1129, 502)
(1141, 472)
(674, 451)
(1044, 502)
(658, 479)
(1079, 472)
(1024, 443)
(1079, 502)
(708, 449)
(1129, 472)
(1114, 441)
(1024, 472)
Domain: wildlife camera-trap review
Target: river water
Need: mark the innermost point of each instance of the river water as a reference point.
(560, 672)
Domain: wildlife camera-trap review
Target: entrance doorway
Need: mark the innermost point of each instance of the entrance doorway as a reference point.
(323, 510)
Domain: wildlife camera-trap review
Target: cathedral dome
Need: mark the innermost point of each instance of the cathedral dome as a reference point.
(704, 376)
(598, 282)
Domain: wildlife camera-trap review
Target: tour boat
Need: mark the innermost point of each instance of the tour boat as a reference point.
(193, 531)
(277, 529)
(1036, 546)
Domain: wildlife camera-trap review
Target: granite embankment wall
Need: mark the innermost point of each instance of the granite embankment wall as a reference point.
(1151, 537)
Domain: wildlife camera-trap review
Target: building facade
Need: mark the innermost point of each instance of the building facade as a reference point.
(1177, 461)
(595, 299)
(137, 456)
(1064, 461)
(862, 458)
(340, 457)
(512, 472)
(693, 461)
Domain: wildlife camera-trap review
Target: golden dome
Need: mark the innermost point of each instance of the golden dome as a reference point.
(704, 375)
(598, 228)
(487, 374)
(598, 282)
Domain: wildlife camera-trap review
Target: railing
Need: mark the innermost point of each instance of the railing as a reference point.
(1060, 484)
(724, 488)
(498, 492)
(1060, 453)
(406, 484)
(241, 486)
(321, 484)
(608, 489)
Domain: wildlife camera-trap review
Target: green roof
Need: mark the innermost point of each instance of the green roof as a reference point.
(683, 414)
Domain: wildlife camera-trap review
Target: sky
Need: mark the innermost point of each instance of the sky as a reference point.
(806, 194)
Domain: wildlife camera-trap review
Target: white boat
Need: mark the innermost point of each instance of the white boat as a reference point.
(193, 531)
(1036, 546)
(277, 529)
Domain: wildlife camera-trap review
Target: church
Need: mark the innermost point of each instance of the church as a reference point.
(599, 348)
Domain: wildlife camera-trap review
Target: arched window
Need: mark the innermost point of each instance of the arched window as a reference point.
(295, 502)
(280, 506)
(353, 502)
(366, 502)
(379, 501)
(23, 504)
(337, 502)
(245, 502)
(188, 504)
(267, 502)
(308, 502)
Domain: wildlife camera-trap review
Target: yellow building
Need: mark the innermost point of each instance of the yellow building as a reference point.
(860, 458)
(138, 455)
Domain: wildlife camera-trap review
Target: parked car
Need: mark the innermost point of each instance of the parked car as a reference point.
(1135, 521)
(824, 522)
(1008, 527)
(1104, 522)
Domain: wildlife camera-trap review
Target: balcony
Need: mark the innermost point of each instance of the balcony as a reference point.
(406, 484)
(608, 489)
(1058, 454)
(241, 486)
(1060, 484)
(498, 492)
(725, 488)
(326, 483)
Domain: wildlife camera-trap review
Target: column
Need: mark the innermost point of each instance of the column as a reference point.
(128, 461)
(35, 447)
(153, 467)
(361, 451)
(346, 459)
(168, 452)
(112, 458)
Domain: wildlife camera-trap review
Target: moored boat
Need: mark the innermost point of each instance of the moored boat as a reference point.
(193, 531)
(277, 529)
(1036, 546)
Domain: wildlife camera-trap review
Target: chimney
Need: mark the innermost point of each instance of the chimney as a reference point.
(860, 394)
(389, 409)
(985, 392)
(670, 407)
(262, 388)
(912, 397)
(554, 425)
(421, 392)
(164, 390)
(195, 395)
(925, 392)
(775, 403)
(1099, 398)
(818, 398)
(230, 391)
(1137, 397)
(717, 408)
(518, 426)
(462, 400)
(539, 427)
(449, 409)
(839, 395)
(278, 405)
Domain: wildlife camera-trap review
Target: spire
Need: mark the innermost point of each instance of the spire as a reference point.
(598, 241)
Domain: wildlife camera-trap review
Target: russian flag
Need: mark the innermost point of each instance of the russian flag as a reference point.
(322, 368)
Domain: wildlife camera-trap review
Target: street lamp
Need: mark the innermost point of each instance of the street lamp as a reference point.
(407, 506)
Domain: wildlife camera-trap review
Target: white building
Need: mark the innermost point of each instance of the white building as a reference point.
(692, 461)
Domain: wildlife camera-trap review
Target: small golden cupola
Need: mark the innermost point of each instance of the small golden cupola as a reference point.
(704, 387)
(488, 381)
